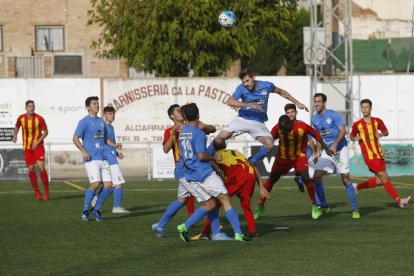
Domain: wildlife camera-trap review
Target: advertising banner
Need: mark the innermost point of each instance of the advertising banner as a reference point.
(12, 165)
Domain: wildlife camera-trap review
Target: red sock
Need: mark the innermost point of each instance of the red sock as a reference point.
(370, 183)
(311, 191)
(33, 181)
(190, 206)
(390, 189)
(268, 187)
(45, 181)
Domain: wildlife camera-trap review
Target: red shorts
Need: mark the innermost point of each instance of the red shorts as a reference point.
(31, 156)
(376, 165)
(282, 167)
(242, 185)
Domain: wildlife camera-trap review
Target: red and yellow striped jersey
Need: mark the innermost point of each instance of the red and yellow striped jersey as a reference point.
(293, 144)
(31, 129)
(175, 147)
(234, 164)
(369, 143)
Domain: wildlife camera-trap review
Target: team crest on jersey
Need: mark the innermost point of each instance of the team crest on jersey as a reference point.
(328, 120)
(186, 136)
(263, 92)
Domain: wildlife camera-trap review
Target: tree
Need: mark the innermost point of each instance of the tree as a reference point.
(173, 37)
(274, 53)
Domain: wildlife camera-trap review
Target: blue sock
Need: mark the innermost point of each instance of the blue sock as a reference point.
(89, 194)
(102, 197)
(199, 213)
(170, 213)
(320, 194)
(260, 154)
(232, 217)
(352, 196)
(210, 149)
(213, 216)
(118, 192)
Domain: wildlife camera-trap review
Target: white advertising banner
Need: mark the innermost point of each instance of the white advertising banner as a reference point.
(142, 104)
(62, 103)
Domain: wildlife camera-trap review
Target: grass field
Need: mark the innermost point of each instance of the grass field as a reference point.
(49, 238)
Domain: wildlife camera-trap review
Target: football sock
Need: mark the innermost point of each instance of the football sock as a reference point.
(190, 205)
(232, 217)
(199, 213)
(311, 191)
(268, 187)
(391, 191)
(89, 194)
(248, 215)
(45, 181)
(260, 154)
(370, 183)
(210, 149)
(351, 195)
(214, 219)
(118, 193)
(320, 193)
(300, 179)
(102, 197)
(170, 213)
(33, 181)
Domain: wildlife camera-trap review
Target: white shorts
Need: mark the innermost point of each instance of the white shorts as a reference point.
(240, 126)
(339, 162)
(311, 167)
(213, 186)
(184, 188)
(116, 174)
(97, 171)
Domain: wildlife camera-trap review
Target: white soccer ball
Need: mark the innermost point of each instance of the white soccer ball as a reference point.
(227, 19)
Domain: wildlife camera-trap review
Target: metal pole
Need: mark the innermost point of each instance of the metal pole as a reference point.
(49, 163)
(411, 43)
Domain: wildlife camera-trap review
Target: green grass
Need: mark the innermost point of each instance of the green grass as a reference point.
(49, 238)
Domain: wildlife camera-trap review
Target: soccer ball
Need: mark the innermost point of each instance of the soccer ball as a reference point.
(227, 19)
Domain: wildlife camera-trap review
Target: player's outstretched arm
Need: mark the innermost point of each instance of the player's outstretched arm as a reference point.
(206, 128)
(289, 97)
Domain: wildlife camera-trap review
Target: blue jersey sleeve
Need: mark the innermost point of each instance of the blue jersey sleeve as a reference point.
(337, 119)
(80, 129)
(239, 92)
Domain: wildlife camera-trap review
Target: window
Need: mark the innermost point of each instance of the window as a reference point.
(50, 38)
(67, 65)
(1, 38)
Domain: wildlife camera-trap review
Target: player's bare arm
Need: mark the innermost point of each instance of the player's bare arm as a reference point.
(169, 143)
(112, 143)
(289, 97)
(41, 138)
(217, 169)
(208, 157)
(263, 192)
(78, 144)
(354, 138)
(15, 132)
(206, 128)
(236, 104)
(342, 133)
(381, 134)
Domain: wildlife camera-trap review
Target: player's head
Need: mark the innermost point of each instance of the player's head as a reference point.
(174, 113)
(319, 102)
(30, 107)
(285, 123)
(190, 112)
(291, 111)
(92, 104)
(219, 143)
(247, 77)
(109, 113)
(366, 107)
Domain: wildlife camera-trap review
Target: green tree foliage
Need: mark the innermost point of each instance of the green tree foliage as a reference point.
(274, 53)
(172, 37)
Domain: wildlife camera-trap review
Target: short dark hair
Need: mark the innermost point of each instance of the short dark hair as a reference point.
(29, 102)
(109, 108)
(219, 143)
(246, 72)
(190, 112)
(290, 106)
(285, 123)
(170, 110)
(368, 101)
(90, 99)
(324, 98)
